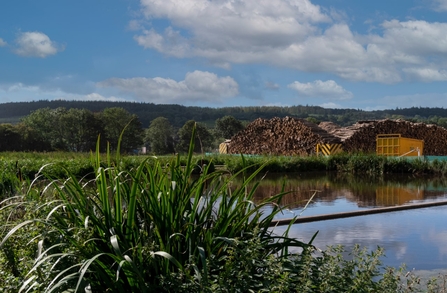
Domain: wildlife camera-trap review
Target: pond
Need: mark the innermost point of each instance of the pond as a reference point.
(416, 237)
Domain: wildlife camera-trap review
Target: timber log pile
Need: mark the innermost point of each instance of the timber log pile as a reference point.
(361, 137)
(280, 136)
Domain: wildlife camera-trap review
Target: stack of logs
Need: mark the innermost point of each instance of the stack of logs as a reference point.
(292, 136)
(363, 138)
(280, 136)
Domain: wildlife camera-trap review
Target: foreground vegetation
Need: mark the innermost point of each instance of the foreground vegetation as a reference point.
(98, 223)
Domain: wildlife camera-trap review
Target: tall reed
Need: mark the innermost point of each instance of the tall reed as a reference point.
(131, 230)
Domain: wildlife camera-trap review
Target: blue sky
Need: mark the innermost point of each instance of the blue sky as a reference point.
(216, 53)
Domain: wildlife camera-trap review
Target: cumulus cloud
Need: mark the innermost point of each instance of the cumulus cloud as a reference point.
(321, 89)
(295, 34)
(2, 43)
(36, 44)
(197, 86)
(229, 31)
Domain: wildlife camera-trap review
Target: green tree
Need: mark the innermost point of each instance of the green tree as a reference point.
(228, 126)
(114, 120)
(81, 129)
(160, 136)
(29, 139)
(61, 129)
(202, 141)
(42, 124)
(313, 120)
(10, 139)
(442, 122)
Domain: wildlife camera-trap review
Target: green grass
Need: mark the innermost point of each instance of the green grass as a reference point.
(148, 224)
(80, 165)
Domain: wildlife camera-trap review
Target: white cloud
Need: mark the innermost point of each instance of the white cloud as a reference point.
(36, 44)
(413, 40)
(321, 89)
(426, 74)
(96, 97)
(440, 5)
(170, 43)
(232, 31)
(19, 92)
(197, 86)
(331, 106)
(290, 33)
(2, 43)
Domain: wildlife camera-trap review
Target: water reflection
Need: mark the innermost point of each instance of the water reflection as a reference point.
(417, 238)
(363, 192)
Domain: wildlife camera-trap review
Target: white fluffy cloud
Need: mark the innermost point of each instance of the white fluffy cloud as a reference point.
(295, 34)
(197, 86)
(229, 31)
(36, 44)
(322, 89)
(2, 43)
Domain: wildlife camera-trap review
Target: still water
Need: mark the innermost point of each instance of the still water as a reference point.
(416, 237)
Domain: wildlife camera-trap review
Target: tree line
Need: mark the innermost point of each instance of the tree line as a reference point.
(178, 115)
(166, 131)
(81, 130)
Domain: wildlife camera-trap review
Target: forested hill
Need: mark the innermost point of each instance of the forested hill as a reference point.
(178, 115)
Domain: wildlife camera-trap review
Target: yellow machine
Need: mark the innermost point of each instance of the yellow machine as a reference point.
(328, 149)
(395, 145)
(223, 147)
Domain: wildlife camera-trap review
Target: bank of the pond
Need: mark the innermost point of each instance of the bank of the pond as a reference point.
(346, 163)
(27, 165)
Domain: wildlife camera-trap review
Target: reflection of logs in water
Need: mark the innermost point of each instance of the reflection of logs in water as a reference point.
(298, 196)
(365, 192)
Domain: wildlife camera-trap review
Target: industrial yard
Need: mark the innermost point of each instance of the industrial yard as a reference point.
(292, 136)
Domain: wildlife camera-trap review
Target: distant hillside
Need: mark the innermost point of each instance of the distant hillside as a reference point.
(178, 115)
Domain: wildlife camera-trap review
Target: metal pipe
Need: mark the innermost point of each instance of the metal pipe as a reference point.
(324, 217)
